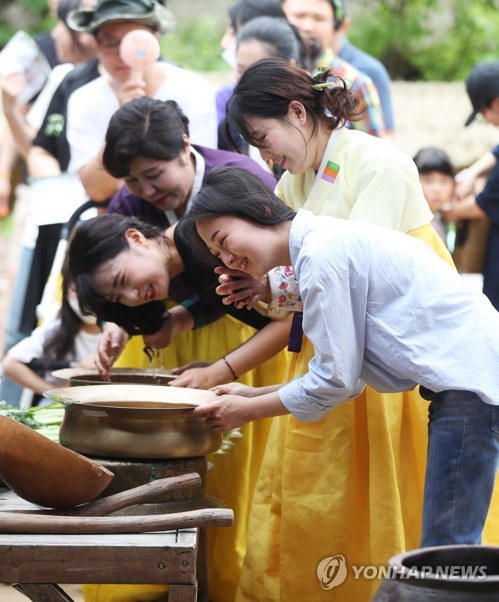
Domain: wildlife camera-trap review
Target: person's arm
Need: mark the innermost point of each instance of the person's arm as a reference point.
(466, 179)
(466, 208)
(232, 411)
(24, 376)
(8, 159)
(22, 133)
(335, 324)
(111, 344)
(278, 290)
(98, 183)
(255, 351)
(6, 167)
(42, 164)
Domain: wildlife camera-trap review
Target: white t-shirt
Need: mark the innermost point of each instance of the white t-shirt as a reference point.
(91, 107)
(32, 347)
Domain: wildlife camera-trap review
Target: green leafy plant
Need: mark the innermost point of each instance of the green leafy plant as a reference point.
(196, 45)
(428, 39)
(44, 419)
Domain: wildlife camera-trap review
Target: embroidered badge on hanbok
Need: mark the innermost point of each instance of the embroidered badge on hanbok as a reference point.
(330, 172)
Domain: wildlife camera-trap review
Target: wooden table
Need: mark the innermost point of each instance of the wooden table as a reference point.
(35, 563)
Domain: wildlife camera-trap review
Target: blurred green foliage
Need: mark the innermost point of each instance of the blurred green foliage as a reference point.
(196, 46)
(428, 40)
(30, 15)
(416, 39)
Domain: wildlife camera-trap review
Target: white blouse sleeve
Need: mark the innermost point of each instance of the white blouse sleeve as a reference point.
(334, 321)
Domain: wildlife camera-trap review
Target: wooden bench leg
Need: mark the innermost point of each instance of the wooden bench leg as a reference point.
(182, 593)
(202, 566)
(43, 592)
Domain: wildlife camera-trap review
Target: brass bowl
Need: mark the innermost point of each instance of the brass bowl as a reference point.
(136, 421)
(91, 376)
(46, 473)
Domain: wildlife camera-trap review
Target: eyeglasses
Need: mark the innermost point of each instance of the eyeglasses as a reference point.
(108, 46)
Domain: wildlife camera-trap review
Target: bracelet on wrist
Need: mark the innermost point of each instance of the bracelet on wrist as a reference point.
(230, 368)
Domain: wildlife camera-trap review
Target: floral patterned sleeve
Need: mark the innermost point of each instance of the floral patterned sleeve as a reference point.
(284, 290)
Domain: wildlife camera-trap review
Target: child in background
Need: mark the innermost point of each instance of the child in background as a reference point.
(436, 174)
(70, 336)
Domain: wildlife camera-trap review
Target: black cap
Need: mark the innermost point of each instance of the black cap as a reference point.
(482, 85)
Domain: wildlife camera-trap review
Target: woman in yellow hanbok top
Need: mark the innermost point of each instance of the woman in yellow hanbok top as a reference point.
(350, 485)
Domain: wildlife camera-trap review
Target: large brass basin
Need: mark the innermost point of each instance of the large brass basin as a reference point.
(135, 422)
(91, 376)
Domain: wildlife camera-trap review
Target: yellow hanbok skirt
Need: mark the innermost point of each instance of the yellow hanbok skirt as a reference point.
(350, 485)
(233, 475)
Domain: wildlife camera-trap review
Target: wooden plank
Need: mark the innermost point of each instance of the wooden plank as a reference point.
(182, 593)
(160, 538)
(38, 562)
(44, 593)
(165, 557)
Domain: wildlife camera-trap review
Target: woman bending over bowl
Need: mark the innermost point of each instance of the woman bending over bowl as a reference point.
(381, 308)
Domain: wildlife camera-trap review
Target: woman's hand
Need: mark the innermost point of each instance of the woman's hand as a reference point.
(232, 411)
(202, 375)
(241, 289)
(465, 183)
(194, 375)
(111, 344)
(236, 389)
(226, 413)
(195, 378)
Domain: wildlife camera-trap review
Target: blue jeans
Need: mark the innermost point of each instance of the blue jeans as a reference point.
(463, 458)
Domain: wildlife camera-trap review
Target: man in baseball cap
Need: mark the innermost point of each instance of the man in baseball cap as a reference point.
(482, 85)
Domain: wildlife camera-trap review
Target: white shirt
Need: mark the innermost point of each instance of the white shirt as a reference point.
(382, 308)
(91, 107)
(32, 347)
(196, 185)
